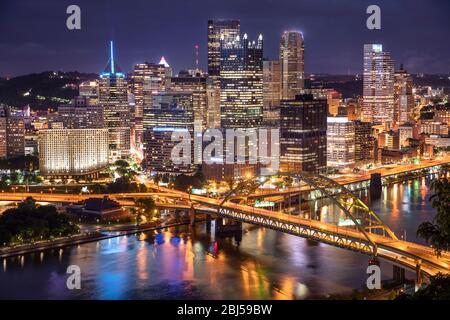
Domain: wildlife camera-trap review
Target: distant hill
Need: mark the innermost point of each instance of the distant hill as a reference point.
(351, 87)
(41, 90)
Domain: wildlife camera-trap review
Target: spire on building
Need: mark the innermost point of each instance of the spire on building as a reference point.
(112, 66)
(164, 62)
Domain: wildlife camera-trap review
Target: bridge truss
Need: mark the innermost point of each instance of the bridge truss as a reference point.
(363, 220)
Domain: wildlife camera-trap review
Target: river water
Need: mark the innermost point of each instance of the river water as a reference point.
(185, 263)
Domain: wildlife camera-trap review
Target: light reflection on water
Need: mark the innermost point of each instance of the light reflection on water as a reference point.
(191, 263)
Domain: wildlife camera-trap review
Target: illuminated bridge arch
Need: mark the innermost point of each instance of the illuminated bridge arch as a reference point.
(363, 219)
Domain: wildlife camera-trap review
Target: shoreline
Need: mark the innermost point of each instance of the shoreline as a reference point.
(82, 238)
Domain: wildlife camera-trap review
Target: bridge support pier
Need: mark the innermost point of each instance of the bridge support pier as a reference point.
(208, 224)
(375, 186)
(398, 274)
(192, 216)
(418, 280)
(229, 227)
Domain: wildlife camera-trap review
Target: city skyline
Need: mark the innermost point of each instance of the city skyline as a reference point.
(41, 41)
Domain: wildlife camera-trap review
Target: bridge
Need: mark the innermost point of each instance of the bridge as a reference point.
(362, 230)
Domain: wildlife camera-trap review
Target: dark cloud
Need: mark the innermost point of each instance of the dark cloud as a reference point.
(34, 36)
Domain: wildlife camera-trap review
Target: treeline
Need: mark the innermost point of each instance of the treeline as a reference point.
(29, 223)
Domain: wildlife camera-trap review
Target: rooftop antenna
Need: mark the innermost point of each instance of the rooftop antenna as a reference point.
(112, 57)
(196, 56)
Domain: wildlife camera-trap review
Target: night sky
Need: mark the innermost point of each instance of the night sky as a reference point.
(34, 37)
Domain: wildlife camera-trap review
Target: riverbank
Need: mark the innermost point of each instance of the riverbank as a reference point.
(119, 231)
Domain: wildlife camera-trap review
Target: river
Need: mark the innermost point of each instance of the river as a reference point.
(185, 263)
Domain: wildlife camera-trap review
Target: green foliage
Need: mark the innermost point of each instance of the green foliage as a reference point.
(28, 223)
(184, 182)
(27, 163)
(147, 208)
(437, 289)
(437, 232)
(124, 184)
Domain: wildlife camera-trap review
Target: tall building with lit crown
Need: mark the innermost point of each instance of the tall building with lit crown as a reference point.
(340, 143)
(113, 96)
(229, 30)
(403, 97)
(271, 92)
(292, 64)
(145, 80)
(241, 83)
(378, 86)
(303, 134)
(72, 152)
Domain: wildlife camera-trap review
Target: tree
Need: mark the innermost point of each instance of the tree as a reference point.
(147, 206)
(437, 232)
(29, 222)
(184, 182)
(437, 289)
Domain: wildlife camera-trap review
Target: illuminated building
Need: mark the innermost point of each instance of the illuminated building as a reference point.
(292, 64)
(12, 134)
(72, 152)
(303, 137)
(213, 102)
(340, 142)
(442, 114)
(333, 102)
(389, 139)
(353, 108)
(197, 87)
(241, 83)
(113, 96)
(170, 112)
(433, 127)
(365, 143)
(146, 80)
(406, 132)
(378, 86)
(81, 114)
(271, 92)
(89, 89)
(403, 97)
(229, 30)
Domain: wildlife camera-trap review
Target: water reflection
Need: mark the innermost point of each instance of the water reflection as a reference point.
(181, 262)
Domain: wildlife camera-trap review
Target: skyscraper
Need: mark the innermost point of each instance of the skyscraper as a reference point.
(303, 134)
(292, 62)
(197, 87)
(146, 79)
(170, 112)
(12, 133)
(271, 92)
(365, 142)
(81, 114)
(229, 30)
(113, 96)
(340, 143)
(403, 97)
(378, 86)
(241, 82)
(72, 152)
